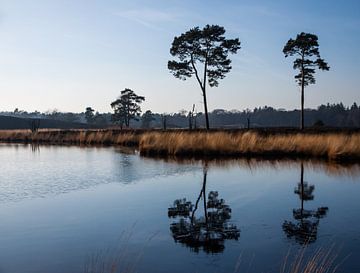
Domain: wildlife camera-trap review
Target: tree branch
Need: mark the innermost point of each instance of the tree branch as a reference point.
(196, 72)
(205, 68)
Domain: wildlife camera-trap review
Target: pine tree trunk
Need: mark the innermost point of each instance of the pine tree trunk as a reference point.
(206, 110)
(302, 93)
(204, 94)
(302, 107)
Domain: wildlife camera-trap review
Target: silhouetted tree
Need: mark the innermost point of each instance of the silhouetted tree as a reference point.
(318, 123)
(306, 48)
(146, 119)
(192, 122)
(164, 121)
(126, 107)
(100, 119)
(34, 125)
(207, 47)
(354, 106)
(89, 115)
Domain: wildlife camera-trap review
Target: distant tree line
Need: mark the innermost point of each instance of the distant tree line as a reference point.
(89, 116)
(332, 115)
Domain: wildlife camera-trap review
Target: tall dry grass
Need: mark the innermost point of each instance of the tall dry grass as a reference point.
(323, 260)
(331, 145)
(87, 137)
(325, 145)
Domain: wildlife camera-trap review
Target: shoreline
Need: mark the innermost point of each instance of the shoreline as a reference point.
(271, 143)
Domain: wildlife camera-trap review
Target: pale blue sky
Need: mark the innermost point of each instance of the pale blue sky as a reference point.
(69, 54)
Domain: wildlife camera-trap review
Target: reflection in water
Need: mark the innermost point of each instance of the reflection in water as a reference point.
(348, 169)
(35, 148)
(27, 173)
(304, 230)
(131, 168)
(208, 232)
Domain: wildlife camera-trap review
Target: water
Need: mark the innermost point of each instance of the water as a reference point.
(72, 209)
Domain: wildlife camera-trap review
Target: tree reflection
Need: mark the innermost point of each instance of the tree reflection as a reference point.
(35, 148)
(304, 229)
(207, 232)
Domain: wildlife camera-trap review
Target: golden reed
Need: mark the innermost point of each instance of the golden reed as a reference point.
(79, 137)
(325, 145)
(331, 145)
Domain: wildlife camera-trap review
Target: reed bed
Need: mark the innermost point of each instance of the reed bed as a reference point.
(78, 137)
(181, 143)
(335, 146)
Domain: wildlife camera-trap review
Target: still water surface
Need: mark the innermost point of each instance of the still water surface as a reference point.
(72, 209)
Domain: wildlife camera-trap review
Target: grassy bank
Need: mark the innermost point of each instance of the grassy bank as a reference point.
(333, 145)
(77, 137)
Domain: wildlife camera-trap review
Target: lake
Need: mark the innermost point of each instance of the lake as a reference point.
(78, 209)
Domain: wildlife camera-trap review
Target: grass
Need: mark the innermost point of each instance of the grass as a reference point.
(332, 145)
(323, 260)
(78, 137)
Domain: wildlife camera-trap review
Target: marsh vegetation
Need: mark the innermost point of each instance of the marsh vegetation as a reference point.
(329, 145)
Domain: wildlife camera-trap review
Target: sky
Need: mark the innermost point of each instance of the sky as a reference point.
(70, 54)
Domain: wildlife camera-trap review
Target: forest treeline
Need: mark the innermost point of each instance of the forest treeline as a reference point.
(330, 115)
